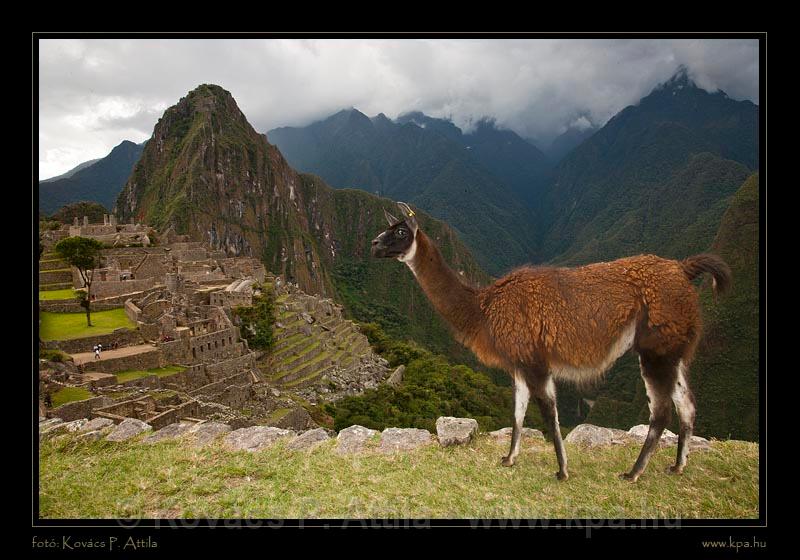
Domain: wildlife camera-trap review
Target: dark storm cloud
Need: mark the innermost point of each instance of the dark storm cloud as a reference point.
(95, 93)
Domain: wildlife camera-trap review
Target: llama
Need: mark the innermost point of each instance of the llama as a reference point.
(546, 323)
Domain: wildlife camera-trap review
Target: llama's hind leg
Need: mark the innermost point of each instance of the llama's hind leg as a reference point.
(659, 379)
(545, 394)
(521, 398)
(684, 403)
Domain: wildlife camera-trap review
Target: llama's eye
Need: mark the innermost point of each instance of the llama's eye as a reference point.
(401, 233)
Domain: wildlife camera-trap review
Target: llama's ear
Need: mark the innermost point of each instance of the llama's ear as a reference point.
(409, 215)
(389, 218)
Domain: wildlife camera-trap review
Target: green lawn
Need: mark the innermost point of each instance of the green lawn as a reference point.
(57, 294)
(69, 394)
(63, 326)
(127, 375)
(171, 479)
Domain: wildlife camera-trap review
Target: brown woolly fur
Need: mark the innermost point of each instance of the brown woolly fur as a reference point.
(541, 323)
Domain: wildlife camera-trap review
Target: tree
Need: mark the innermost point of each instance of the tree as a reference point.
(84, 254)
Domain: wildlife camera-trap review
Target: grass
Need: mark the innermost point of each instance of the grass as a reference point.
(63, 326)
(70, 394)
(106, 480)
(127, 375)
(57, 294)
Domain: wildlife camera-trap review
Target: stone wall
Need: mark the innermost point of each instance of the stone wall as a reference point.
(233, 299)
(80, 409)
(228, 367)
(176, 351)
(132, 311)
(72, 306)
(118, 287)
(144, 360)
(215, 345)
(189, 409)
(123, 337)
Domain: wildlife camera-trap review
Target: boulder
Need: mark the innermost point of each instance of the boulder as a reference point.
(354, 439)
(638, 433)
(62, 427)
(97, 424)
(455, 431)
(128, 428)
(171, 431)
(403, 439)
(254, 438)
(590, 435)
(44, 425)
(207, 432)
(309, 440)
(527, 433)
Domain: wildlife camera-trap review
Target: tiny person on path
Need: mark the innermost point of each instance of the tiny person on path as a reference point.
(96, 352)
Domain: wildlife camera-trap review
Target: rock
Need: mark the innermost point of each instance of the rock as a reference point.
(354, 439)
(639, 434)
(254, 438)
(397, 376)
(526, 433)
(620, 437)
(171, 431)
(698, 443)
(61, 427)
(207, 432)
(127, 429)
(97, 424)
(403, 439)
(93, 435)
(275, 392)
(309, 440)
(307, 318)
(590, 435)
(46, 424)
(455, 431)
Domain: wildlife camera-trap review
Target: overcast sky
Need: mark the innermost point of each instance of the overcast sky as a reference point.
(95, 93)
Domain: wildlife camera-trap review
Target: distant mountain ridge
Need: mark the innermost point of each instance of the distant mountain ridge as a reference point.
(100, 181)
(431, 163)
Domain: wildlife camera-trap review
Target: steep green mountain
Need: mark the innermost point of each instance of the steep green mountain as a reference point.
(655, 176)
(100, 182)
(724, 375)
(209, 174)
(425, 162)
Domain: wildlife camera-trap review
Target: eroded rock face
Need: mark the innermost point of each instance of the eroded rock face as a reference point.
(403, 439)
(309, 440)
(455, 431)
(505, 433)
(354, 439)
(254, 438)
(590, 435)
(128, 428)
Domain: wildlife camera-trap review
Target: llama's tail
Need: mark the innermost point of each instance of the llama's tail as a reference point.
(706, 262)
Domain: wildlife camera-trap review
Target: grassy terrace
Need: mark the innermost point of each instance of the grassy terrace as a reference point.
(57, 294)
(63, 326)
(70, 394)
(169, 479)
(130, 374)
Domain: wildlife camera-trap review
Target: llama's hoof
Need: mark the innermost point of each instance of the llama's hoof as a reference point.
(675, 469)
(562, 475)
(630, 477)
(507, 462)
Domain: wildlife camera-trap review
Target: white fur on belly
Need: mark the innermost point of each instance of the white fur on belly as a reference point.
(583, 374)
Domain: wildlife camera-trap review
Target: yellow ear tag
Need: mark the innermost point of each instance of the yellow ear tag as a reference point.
(410, 213)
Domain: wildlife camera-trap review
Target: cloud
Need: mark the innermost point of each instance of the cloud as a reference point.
(95, 93)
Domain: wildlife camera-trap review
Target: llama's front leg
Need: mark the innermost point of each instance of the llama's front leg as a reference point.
(521, 398)
(546, 399)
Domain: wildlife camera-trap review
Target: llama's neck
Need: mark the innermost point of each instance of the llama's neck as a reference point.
(455, 301)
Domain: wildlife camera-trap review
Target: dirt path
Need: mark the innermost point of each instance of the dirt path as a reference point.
(87, 357)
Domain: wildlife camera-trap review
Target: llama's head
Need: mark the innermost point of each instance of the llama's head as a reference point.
(399, 240)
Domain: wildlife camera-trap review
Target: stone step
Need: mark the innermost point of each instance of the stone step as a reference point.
(309, 378)
(282, 342)
(304, 354)
(54, 264)
(307, 368)
(55, 286)
(55, 276)
(297, 342)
